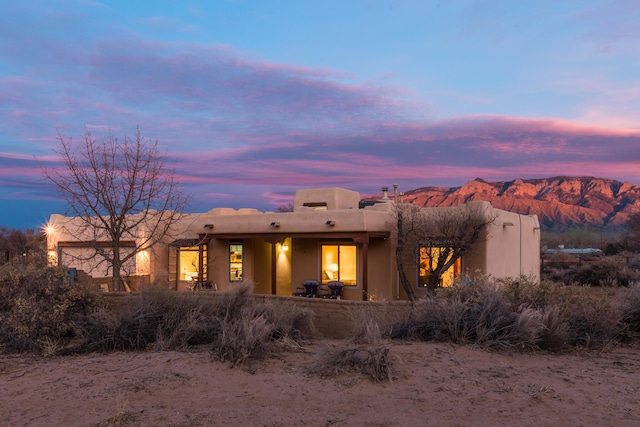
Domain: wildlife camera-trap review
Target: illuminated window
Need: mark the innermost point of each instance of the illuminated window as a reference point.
(428, 261)
(235, 262)
(189, 264)
(339, 262)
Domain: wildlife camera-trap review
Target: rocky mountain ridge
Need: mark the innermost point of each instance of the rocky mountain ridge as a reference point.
(559, 202)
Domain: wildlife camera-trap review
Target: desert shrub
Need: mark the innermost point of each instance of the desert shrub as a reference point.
(289, 321)
(435, 319)
(249, 329)
(374, 362)
(605, 272)
(630, 309)
(553, 302)
(157, 318)
(466, 288)
(515, 314)
(555, 333)
(572, 315)
(558, 275)
(243, 337)
(589, 315)
(373, 323)
(39, 307)
(495, 324)
(477, 315)
(233, 324)
(591, 321)
(632, 261)
(526, 291)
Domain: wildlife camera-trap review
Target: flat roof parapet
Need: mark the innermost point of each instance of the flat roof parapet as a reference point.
(330, 199)
(232, 211)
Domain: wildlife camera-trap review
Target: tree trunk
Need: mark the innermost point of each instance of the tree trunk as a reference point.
(116, 281)
(404, 281)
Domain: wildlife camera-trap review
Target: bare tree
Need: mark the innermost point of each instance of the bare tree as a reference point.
(287, 207)
(433, 239)
(119, 191)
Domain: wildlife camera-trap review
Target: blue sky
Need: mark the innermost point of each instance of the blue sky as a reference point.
(255, 99)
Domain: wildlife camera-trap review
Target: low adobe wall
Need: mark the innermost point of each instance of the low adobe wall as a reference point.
(335, 319)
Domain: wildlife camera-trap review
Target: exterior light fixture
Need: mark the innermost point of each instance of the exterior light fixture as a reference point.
(507, 224)
(209, 226)
(275, 224)
(330, 223)
(284, 247)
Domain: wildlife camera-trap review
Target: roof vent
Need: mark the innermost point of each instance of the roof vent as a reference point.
(385, 193)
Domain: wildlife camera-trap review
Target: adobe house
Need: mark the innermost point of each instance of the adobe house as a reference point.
(330, 236)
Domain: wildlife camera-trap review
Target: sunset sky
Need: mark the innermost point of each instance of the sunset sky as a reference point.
(255, 99)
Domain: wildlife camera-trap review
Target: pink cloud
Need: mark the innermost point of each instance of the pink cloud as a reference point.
(228, 120)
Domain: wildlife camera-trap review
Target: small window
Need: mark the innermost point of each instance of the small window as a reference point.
(235, 262)
(428, 262)
(339, 262)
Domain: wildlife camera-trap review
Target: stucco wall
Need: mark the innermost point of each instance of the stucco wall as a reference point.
(305, 262)
(334, 198)
(512, 247)
(383, 278)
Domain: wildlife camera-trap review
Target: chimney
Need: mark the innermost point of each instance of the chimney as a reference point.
(395, 193)
(385, 193)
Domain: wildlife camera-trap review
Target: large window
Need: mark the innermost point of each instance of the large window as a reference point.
(428, 261)
(339, 262)
(235, 262)
(189, 264)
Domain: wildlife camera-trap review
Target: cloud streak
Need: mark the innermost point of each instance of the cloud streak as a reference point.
(248, 132)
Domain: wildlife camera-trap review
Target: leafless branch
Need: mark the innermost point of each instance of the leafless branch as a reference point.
(120, 191)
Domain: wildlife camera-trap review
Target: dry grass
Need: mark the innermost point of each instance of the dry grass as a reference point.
(519, 314)
(233, 324)
(42, 311)
(371, 325)
(374, 362)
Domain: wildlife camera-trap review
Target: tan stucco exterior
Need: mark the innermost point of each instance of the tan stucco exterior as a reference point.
(280, 250)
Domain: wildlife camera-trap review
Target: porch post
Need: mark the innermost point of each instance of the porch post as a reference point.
(365, 269)
(200, 263)
(364, 257)
(273, 241)
(273, 269)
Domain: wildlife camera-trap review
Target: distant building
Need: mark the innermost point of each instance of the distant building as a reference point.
(330, 236)
(579, 252)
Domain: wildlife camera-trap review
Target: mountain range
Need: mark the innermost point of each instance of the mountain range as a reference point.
(560, 202)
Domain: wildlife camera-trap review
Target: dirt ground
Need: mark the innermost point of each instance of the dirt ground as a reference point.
(432, 385)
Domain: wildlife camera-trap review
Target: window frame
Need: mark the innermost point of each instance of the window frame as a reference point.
(350, 284)
(455, 269)
(201, 275)
(234, 262)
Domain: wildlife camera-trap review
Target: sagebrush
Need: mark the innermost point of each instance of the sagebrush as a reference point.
(39, 306)
(517, 314)
(43, 310)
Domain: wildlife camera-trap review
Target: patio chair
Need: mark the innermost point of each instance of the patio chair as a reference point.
(309, 289)
(335, 288)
